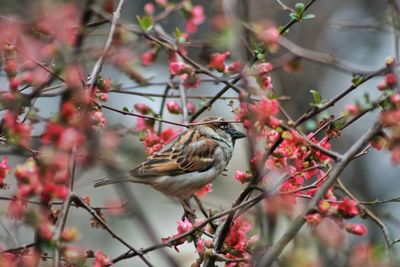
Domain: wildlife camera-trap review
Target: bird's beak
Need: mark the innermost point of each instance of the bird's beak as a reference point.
(236, 134)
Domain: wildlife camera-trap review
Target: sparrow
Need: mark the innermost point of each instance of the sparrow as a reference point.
(188, 162)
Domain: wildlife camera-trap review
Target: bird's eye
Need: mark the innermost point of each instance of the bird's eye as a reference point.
(223, 126)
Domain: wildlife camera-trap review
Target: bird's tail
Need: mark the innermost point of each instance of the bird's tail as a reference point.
(114, 180)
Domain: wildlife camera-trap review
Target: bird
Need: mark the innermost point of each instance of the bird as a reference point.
(188, 162)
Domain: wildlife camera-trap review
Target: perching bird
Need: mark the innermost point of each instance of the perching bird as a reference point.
(188, 162)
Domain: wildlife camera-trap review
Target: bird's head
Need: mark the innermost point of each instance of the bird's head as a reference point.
(223, 128)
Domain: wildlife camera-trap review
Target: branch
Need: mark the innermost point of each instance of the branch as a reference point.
(185, 112)
(293, 21)
(316, 110)
(80, 203)
(62, 218)
(318, 57)
(373, 217)
(273, 253)
(97, 67)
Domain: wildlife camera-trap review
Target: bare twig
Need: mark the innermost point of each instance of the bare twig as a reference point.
(97, 67)
(373, 217)
(80, 203)
(62, 218)
(318, 57)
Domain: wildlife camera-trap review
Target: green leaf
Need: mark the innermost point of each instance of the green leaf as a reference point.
(293, 16)
(357, 80)
(311, 125)
(337, 125)
(125, 109)
(317, 97)
(299, 7)
(145, 23)
(308, 16)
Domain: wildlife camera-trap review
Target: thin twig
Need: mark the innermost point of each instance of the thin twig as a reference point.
(62, 218)
(80, 203)
(97, 67)
(293, 21)
(373, 217)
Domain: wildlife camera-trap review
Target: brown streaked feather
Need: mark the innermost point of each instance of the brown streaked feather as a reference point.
(191, 152)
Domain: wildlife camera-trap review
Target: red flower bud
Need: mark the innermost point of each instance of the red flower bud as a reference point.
(390, 79)
(143, 108)
(348, 208)
(174, 107)
(355, 228)
(14, 83)
(381, 86)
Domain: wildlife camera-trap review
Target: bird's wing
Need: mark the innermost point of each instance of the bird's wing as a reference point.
(190, 152)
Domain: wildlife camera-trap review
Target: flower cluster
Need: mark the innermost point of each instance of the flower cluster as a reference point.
(217, 62)
(262, 76)
(330, 207)
(154, 142)
(257, 116)
(238, 244)
(184, 226)
(390, 115)
(185, 72)
(195, 17)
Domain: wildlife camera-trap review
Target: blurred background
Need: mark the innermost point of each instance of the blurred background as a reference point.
(357, 31)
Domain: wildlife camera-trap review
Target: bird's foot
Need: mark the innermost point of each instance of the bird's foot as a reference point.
(189, 213)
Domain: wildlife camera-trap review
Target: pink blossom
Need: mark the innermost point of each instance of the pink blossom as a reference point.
(178, 68)
(382, 86)
(236, 66)
(167, 135)
(149, 8)
(100, 259)
(143, 108)
(200, 247)
(184, 226)
(16, 208)
(395, 98)
(271, 36)
(243, 177)
(324, 206)
(190, 81)
(237, 238)
(313, 219)
(264, 68)
(196, 18)
(352, 108)
(70, 138)
(148, 57)
(204, 190)
(14, 83)
(390, 79)
(217, 61)
(144, 124)
(98, 119)
(191, 107)
(4, 169)
(348, 208)
(74, 76)
(390, 118)
(61, 21)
